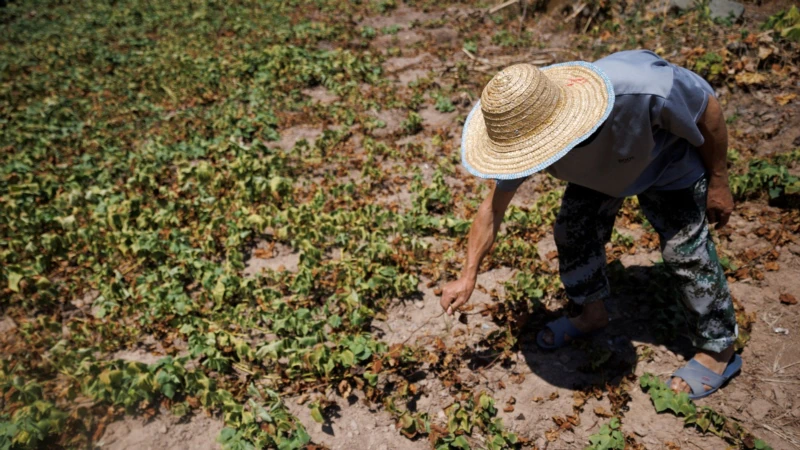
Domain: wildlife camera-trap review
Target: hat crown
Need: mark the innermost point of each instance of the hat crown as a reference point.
(517, 102)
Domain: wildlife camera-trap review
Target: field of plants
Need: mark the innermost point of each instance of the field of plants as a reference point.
(226, 224)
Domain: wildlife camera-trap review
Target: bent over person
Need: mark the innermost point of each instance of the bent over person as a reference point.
(629, 124)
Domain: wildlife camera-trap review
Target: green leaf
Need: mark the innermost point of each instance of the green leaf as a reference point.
(460, 442)
(169, 390)
(347, 358)
(219, 290)
(317, 415)
(371, 378)
(13, 281)
(226, 435)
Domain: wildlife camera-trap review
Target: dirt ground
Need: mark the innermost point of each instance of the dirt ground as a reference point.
(765, 398)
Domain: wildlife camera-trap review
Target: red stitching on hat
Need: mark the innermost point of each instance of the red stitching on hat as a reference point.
(576, 80)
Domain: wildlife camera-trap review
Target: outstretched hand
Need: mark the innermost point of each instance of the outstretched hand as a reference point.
(719, 204)
(456, 293)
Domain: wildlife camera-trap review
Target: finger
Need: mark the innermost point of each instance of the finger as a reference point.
(723, 220)
(450, 311)
(712, 216)
(457, 304)
(445, 301)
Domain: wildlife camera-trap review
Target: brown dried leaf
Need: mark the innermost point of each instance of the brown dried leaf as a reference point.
(788, 299)
(749, 79)
(742, 273)
(783, 99)
(601, 412)
(771, 266)
(508, 408)
(517, 379)
(579, 399)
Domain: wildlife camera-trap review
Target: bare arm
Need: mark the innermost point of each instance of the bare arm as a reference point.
(714, 153)
(481, 237)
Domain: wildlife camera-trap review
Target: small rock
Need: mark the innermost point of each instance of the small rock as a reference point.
(568, 437)
(726, 9)
(718, 9)
(353, 425)
(541, 443)
(7, 324)
(759, 408)
(163, 429)
(682, 5)
(520, 417)
(419, 305)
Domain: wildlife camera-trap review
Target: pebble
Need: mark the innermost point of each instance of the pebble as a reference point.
(7, 324)
(163, 429)
(541, 443)
(568, 437)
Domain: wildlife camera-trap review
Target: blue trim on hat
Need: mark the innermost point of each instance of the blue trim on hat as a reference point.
(541, 166)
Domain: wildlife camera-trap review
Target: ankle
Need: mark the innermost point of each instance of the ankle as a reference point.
(594, 313)
(723, 357)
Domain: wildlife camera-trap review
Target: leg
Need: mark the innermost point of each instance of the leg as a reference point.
(582, 228)
(679, 217)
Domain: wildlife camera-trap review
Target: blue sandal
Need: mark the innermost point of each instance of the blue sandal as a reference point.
(560, 328)
(697, 376)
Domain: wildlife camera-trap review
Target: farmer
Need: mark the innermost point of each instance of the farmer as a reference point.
(629, 124)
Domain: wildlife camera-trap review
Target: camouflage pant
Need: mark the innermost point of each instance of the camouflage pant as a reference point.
(584, 225)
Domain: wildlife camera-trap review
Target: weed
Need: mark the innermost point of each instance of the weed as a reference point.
(412, 124)
(368, 32)
(443, 103)
(703, 418)
(608, 438)
(770, 176)
(786, 23)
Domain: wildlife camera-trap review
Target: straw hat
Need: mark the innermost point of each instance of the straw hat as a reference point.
(528, 118)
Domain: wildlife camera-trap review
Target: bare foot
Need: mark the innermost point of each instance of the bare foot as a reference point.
(716, 362)
(593, 317)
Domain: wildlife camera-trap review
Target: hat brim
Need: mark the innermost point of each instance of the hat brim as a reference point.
(585, 102)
